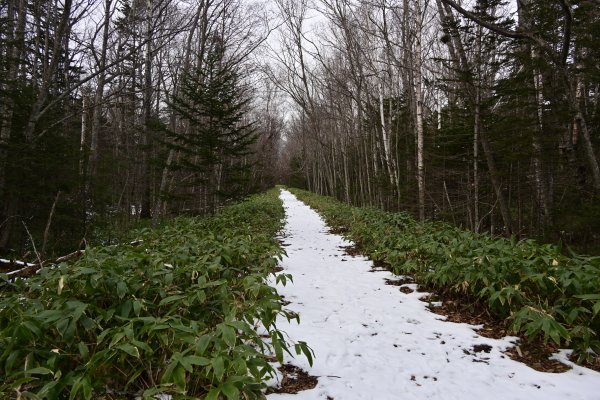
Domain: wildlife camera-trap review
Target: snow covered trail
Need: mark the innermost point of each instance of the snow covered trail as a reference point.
(374, 342)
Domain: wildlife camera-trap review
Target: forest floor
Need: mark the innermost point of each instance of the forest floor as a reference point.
(374, 339)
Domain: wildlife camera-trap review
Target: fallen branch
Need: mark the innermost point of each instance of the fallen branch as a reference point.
(136, 242)
(47, 230)
(28, 269)
(69, 257)
(12, 263)
(33, 245)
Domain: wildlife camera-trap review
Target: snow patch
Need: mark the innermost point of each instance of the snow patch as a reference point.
(374, 342)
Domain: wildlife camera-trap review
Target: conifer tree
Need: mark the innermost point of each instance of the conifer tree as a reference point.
(212, 102)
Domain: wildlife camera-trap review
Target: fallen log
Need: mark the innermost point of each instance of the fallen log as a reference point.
(13, 263)
(29, 269)
(69, 257)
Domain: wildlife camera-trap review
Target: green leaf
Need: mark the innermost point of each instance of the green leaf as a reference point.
(218, 365)
(230, 391)
(62, 326)
(83, 350)
(150, 394)
(39, 371)
(81, 385)
(77, 308)
(203, 343)
(595, 296)
(241, 325)
(45, 390)
(87, 323)
(213, 394)
(129, 349)
(32, 327)
(179, 377)
(228, 335)
(125, 308)
(159, 327)
(277, 346)
(137, 307)
(121, 289)
(226, 257)
(167, 376)
(596, 308)
(115, 339)
(195, 360)
(142, 345)
(87, 389)
(308, 353)
(171, 299)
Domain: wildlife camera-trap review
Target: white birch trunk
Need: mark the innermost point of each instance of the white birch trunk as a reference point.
(418, 68)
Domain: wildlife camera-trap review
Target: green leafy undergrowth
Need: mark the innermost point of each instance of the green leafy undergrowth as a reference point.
(177, 314)
(543, 293)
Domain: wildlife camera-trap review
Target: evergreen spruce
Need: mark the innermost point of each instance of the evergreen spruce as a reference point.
(213, 103)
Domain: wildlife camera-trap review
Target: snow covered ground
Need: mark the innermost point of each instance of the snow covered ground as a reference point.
(374, 342)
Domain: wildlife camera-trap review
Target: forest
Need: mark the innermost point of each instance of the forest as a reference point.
(114, 113)
(215, 198)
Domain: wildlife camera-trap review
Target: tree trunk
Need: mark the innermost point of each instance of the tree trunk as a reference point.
(147, 180)
(387, 154)
(540, 180)
(476, 134)
(99, 95)
(589, 150)
(491, 163)
(49, 71)
(419, 104)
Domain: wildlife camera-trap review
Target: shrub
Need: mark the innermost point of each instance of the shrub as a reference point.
(178, 314)
(544, 293)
